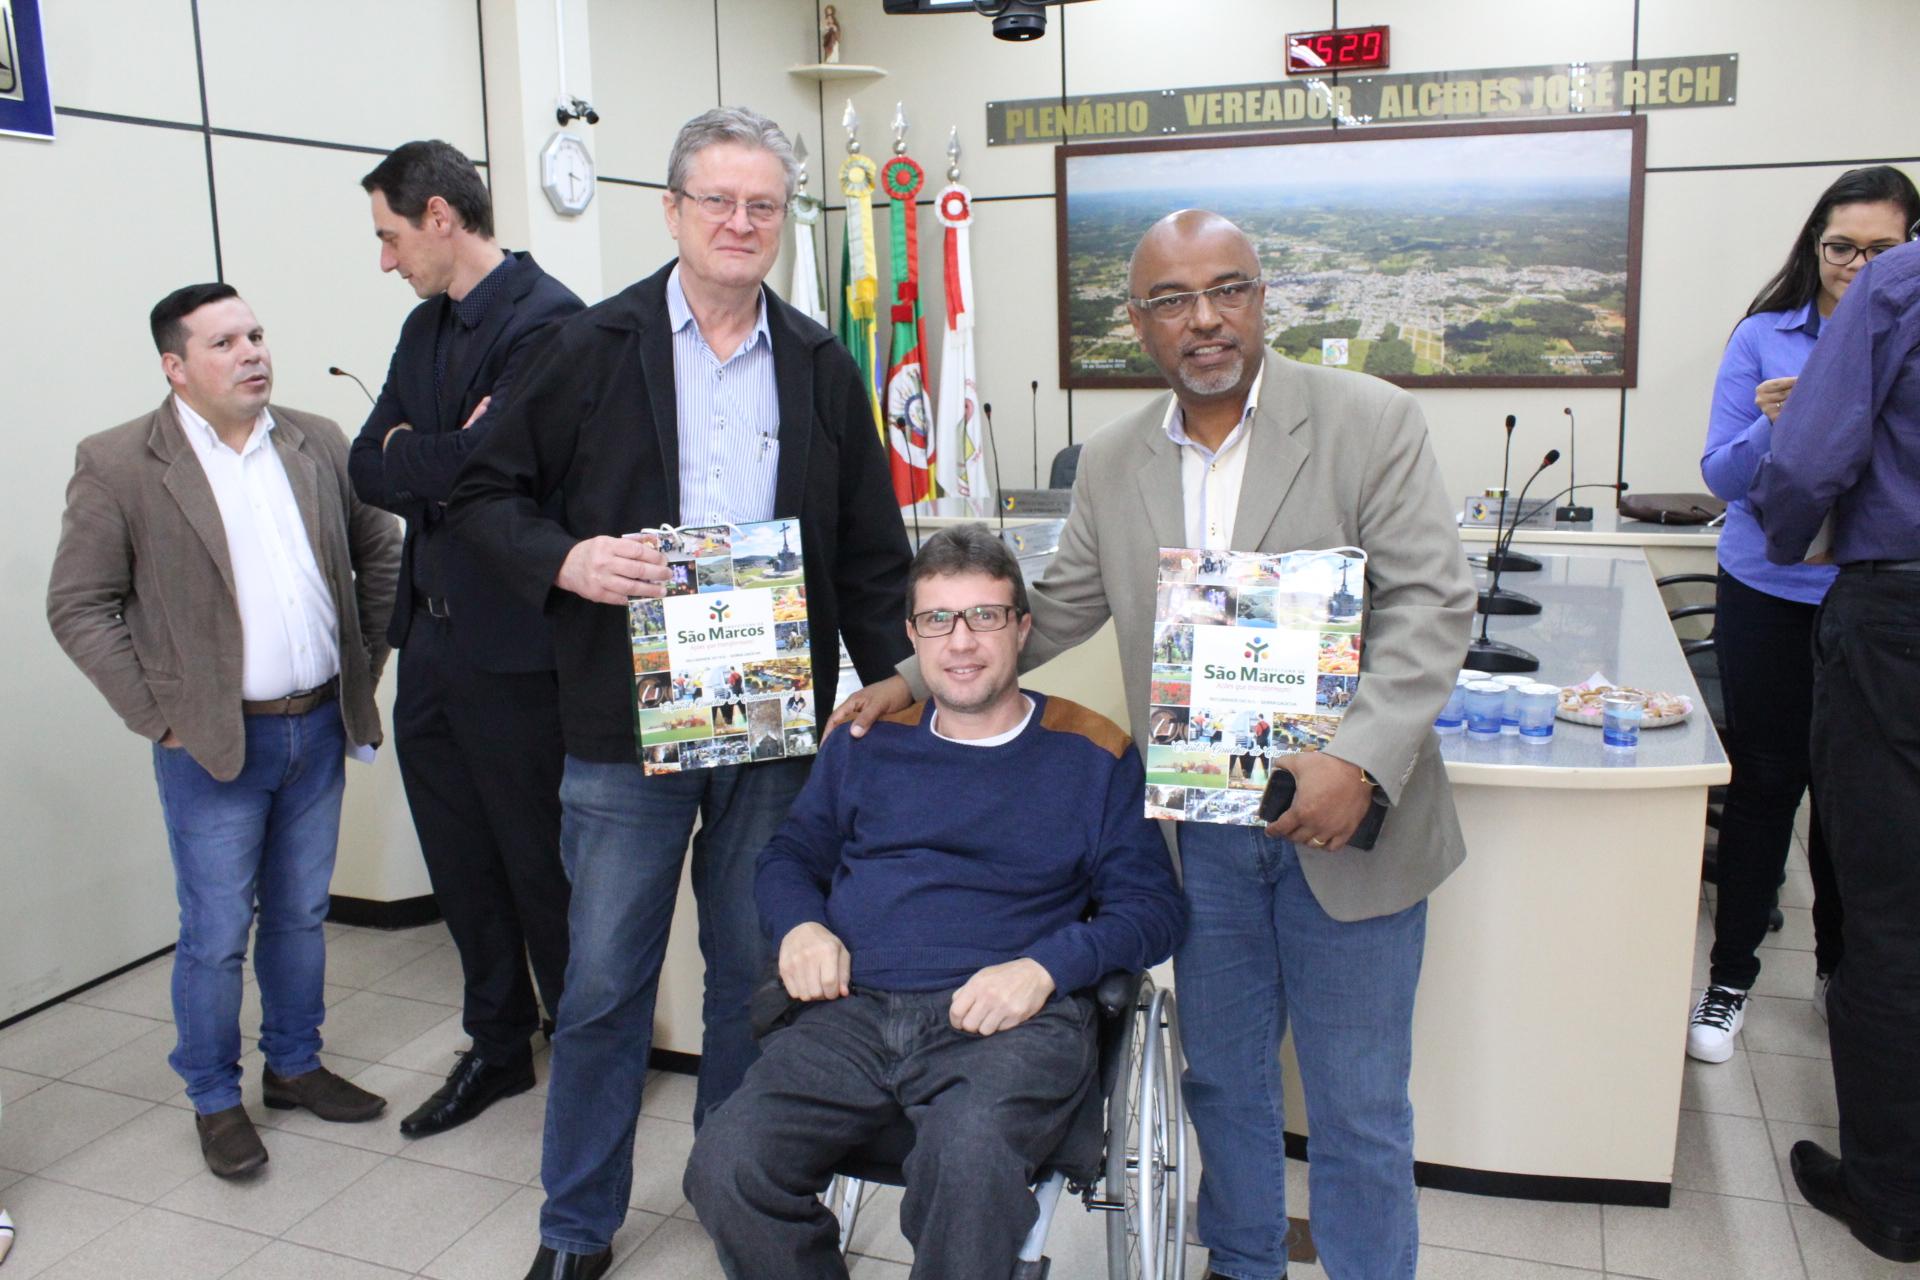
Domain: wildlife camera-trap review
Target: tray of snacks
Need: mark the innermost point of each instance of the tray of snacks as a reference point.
(1581, 703)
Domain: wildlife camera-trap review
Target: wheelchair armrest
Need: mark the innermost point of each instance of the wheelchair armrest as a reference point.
(1117, 992)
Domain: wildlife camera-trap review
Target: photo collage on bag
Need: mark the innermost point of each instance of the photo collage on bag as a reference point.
(723, 666)
(1278, 642)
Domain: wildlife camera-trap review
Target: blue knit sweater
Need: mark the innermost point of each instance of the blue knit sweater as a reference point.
(932, 859)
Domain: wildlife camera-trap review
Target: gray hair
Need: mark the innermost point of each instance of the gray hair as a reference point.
(966, 548)
(737, 125)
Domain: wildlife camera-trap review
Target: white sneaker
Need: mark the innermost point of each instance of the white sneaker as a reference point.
(1716, 1021)
(1821, 981)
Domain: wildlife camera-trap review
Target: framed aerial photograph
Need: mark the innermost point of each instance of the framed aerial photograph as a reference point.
(1504, 254)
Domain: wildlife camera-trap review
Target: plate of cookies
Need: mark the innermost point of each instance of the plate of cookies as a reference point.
(1581, 703)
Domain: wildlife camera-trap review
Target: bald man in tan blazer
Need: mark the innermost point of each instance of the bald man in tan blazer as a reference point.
(1289, 926)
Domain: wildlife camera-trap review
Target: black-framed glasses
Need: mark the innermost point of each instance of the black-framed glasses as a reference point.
(718, 208)
(1841, 253)
(1231, 296)
(979, 617)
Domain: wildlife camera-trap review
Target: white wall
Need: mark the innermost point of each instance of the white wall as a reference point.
(104, 221)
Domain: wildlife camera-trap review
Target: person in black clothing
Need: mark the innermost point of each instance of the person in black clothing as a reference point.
(476, 715)
(695, 397)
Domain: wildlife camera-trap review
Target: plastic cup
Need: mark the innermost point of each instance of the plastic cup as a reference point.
(1453, 717)
(1485, 700)
(1620, 715)
(1537, 705)
(1510, 708)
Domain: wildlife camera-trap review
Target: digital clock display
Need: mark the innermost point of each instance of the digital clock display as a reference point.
(1338, 49)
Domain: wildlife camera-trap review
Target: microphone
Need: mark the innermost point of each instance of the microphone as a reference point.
(1497, 558)
(338, 372)
(1571, 514)
(1493, 599)
(1034, 414)
(1000, 503)
(1484, 654)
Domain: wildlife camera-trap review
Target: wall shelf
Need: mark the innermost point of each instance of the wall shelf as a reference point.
(836, 71)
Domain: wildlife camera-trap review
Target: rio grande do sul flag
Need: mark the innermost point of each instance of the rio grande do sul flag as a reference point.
(910, 448)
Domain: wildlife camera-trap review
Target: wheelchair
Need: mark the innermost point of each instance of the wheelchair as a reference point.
(1124, 1153)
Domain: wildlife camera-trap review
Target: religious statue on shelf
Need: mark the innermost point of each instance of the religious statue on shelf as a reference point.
(829, 36)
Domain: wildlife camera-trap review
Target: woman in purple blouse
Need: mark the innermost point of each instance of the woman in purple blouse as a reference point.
(1764, 628)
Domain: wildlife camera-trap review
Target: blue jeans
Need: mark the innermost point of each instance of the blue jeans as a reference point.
(623, 837)
(269, 836)
(1260, 953)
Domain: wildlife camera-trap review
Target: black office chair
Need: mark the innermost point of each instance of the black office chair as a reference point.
(1124, 1154)
(1066, 465)
(1703, 658)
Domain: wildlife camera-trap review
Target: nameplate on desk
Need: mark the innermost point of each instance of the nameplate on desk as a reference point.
(1481, 512)
(1036, 502)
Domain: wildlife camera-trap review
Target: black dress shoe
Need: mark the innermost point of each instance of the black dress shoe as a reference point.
(548, 1265)
(474, 1085)
(1817, 1173)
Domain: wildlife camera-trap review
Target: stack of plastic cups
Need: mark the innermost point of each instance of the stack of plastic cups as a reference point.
(1453, 717)
(1510, 708)
(1537, 704)
(1485, 701)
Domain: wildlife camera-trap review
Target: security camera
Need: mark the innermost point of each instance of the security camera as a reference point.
(1019, 20)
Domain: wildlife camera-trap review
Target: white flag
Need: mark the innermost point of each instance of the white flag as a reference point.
(960, 454)
(805, 294)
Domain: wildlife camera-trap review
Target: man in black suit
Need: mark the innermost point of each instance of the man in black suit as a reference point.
(693, 397)
(476, 716)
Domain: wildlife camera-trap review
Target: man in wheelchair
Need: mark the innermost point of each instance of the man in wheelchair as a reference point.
(943, 893)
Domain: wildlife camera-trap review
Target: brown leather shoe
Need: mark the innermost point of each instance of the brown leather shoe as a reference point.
(321, 1092)
(230, 1143)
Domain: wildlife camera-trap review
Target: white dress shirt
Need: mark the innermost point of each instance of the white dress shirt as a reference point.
(1210, 478)
(729, 414)
(290, 631)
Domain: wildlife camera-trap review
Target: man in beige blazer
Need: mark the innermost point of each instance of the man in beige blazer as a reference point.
(220, 584)
(1255, 452)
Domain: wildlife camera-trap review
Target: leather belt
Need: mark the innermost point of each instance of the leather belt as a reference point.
(294, 704)
(432, 606)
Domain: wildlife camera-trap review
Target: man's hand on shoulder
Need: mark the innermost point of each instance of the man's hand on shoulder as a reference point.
(1001, 997)
(864, 706)
(613, 570)
(814, 964)
(1329, 802)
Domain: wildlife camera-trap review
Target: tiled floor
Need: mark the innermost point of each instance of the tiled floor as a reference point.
(100, 1168)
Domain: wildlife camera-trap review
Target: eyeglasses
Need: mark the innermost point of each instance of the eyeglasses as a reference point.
(979, 617)
(1840, 253)
(1231, 296)
(719, 208)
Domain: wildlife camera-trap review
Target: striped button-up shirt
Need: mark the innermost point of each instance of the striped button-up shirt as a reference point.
(729, 420)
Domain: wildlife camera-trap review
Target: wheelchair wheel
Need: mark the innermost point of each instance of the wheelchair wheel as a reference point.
(1146, 1147)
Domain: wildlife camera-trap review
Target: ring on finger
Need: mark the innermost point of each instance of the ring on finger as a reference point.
(1317, 842)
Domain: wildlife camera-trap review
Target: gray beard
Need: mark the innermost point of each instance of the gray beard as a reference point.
(1221, 380)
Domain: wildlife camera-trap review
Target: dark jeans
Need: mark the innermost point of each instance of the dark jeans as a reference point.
(480, 755)
(987, 1111)
(1866, 766)
(623, 839)
(1765, 649)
